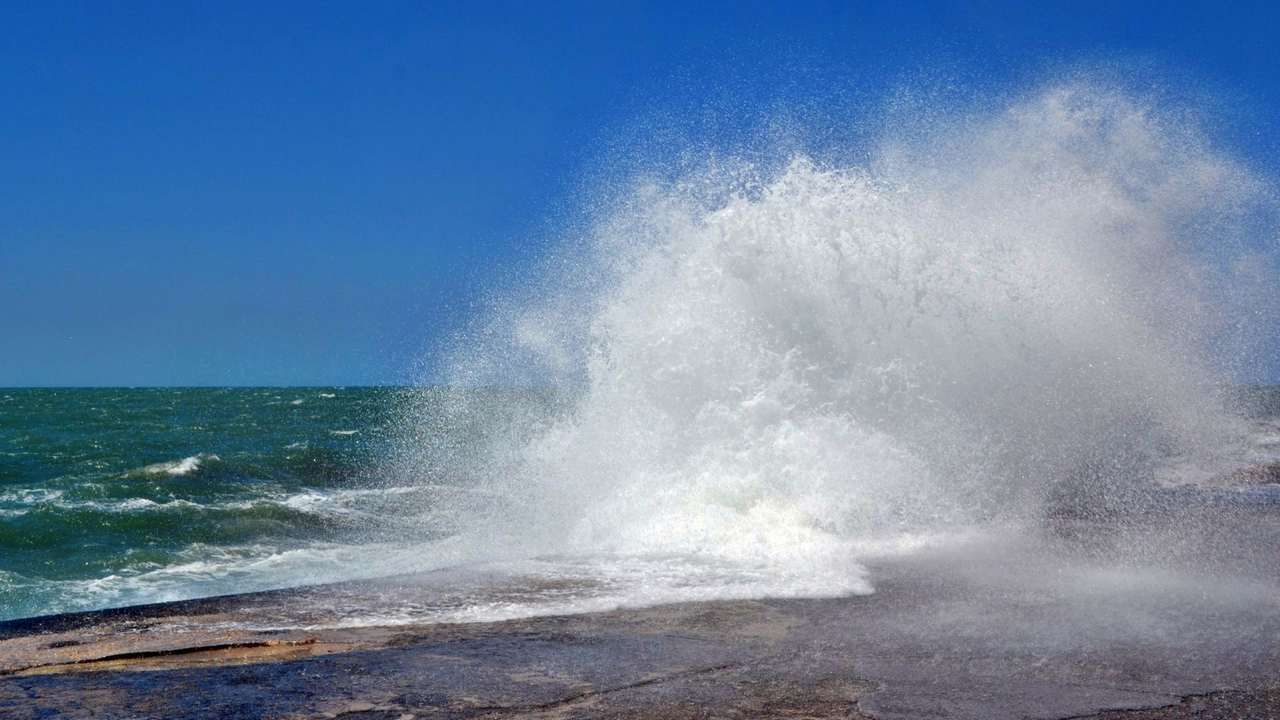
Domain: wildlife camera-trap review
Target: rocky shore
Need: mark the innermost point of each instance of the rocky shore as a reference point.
(1042, 626)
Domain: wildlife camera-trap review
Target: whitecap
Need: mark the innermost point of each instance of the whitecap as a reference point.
(177, 468)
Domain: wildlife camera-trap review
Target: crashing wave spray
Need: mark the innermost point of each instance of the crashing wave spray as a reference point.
(776, 372)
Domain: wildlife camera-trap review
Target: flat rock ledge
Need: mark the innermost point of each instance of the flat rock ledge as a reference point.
(1057, 630)
(749, 659)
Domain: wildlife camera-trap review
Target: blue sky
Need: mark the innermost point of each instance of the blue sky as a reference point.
(310, 193)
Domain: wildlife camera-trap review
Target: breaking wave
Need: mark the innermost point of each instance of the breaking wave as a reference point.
(178, 468)
(776, 369)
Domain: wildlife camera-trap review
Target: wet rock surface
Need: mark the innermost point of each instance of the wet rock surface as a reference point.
(1040, 626)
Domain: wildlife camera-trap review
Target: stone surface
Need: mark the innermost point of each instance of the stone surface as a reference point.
(1062, 624)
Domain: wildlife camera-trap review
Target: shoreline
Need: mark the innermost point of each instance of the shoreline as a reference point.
(715, 658)
(1067, 622)
(884, 655)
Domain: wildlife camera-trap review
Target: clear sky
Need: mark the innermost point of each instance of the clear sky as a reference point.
(309, 193)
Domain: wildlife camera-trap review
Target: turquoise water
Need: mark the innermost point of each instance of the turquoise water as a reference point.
(116, 496)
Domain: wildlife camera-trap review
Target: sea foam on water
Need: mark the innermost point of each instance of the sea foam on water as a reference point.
(771, 373)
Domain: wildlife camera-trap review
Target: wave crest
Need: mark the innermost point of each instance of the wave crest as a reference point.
(177, 468)
(775, 368)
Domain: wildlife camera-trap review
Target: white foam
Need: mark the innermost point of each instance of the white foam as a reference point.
(31, 496)
(782, 370)
(204, 570)
(177, 468)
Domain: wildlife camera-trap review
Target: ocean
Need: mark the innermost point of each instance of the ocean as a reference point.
(763, 376)
(112, 497)
(118, 496)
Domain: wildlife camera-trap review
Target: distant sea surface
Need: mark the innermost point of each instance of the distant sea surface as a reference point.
(117, 496)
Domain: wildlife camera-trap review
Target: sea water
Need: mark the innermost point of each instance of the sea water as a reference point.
(118, 496)
(747, 377)
(776, 366)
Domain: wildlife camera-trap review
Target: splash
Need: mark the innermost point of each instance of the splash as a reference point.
(772, 371)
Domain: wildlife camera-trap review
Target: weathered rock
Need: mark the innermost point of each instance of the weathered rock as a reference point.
(1036, 627)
